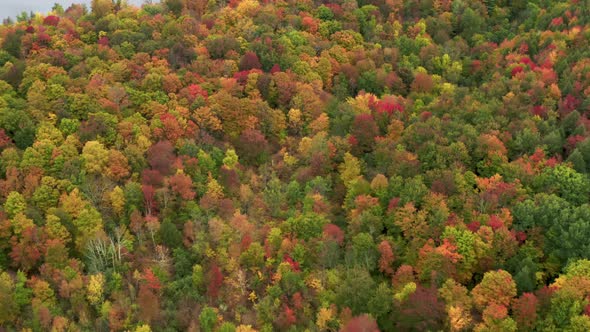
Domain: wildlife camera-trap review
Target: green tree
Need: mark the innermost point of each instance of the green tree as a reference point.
(47, 194)
(170, 234)
(8, 305)
(567, 183)
(207, 319)
(364, 252)
(231, 158)
(305, 226)
(380, 306)
(227, 327)
(578, 162)
(198, 276)
(253, 257)
(356, 290)
(566, 226)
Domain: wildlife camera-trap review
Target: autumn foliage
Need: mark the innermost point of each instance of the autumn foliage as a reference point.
(252, 165)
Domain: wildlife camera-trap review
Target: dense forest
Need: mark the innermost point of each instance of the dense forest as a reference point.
(296, 165)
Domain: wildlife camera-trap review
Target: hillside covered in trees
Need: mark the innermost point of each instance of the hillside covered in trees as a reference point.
(298, 165)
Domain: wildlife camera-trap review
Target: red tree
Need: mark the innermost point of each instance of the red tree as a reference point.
(422, 83)
(403, 275)
(422, 311)
(215, 281)
(151, 177)
(5, 140)
(171, 128)
(363, 323)
(149, 195)
(250, 61)
(51, 20)
(251, 145)
(26, 249)
(386, 259)
(151, 280)
(524, 310)
(148, 304)
(364, 129)
(160, 156)
(286, 318)
(182, 185)
(334, 233)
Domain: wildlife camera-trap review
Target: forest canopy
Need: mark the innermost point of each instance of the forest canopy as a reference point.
(289, 165)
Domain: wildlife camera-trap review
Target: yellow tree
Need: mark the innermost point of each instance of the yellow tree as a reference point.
(496, 287)
(117, 198)
(350, 169)
(95, 157)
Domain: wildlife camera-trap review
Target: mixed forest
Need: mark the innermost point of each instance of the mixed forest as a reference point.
(296, 165)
